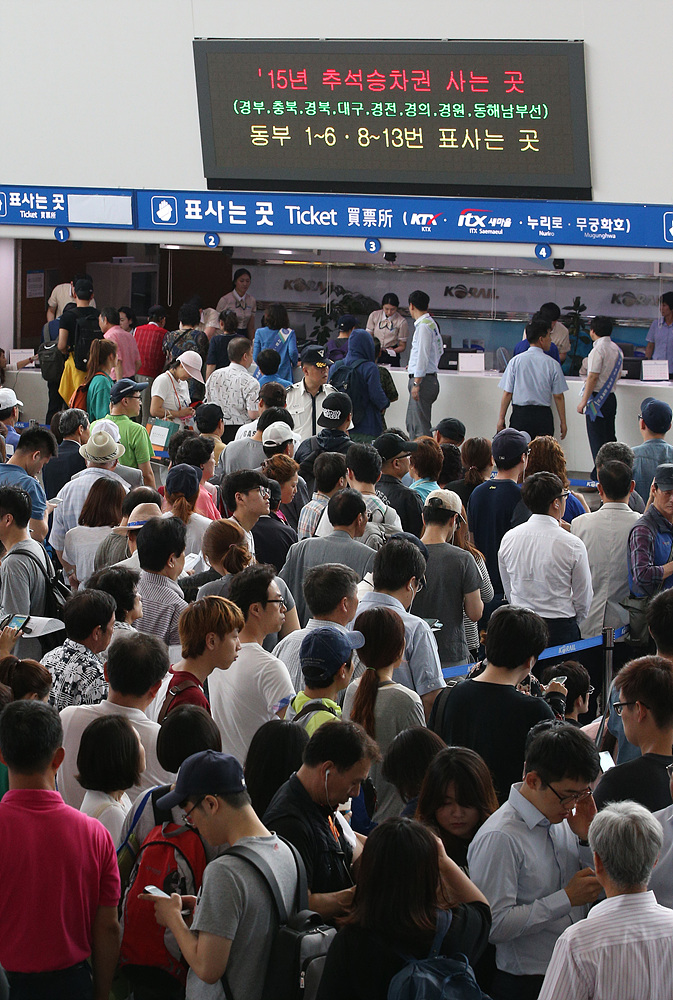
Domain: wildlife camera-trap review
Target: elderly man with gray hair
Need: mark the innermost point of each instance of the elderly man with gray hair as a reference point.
(624, 948)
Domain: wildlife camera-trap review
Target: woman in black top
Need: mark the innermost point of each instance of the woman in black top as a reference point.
(405, 879)
(477, 459)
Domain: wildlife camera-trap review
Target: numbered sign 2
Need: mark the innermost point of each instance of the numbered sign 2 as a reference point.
(62, 234)
(372, 246)
(211, 240)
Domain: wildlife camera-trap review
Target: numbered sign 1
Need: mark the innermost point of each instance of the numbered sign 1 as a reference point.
(211, 240)
(372, 246)
(62, 234)
(543, 251)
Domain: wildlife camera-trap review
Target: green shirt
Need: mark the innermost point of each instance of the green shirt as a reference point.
(314, 721)
(135, 439)
(98, 396)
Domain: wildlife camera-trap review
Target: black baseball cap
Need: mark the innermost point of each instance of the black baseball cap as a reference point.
(335, 409)
(391, 446)
(348, 322)
(126, 387)
(205, 773)
(451, 427)
(509, 444)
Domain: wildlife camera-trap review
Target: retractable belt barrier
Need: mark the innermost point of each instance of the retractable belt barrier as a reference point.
(546, 654)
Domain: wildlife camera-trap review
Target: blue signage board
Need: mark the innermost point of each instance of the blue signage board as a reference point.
(471, 220)
(62, 207)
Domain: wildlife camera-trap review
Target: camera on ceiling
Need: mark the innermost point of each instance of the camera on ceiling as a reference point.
(559, 264)
(390, 257)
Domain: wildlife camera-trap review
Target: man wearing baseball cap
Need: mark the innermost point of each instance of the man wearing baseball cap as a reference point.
(452, 580)
(326, 657)
(125, 403)
(450, 430)
(654, 422)
(337, 347)
(395, 452)
(9, 414)
(334, 421)
(235, 922)
(305, 399)
(651, 540)
(490, 511)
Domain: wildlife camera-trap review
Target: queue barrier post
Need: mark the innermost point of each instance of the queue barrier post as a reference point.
(608, 656)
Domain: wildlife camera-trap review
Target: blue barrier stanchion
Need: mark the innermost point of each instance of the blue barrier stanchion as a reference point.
(584, 483)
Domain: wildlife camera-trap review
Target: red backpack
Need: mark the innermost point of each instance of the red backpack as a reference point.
(173, 858)
(78, 398)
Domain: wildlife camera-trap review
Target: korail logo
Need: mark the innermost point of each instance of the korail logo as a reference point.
(478, 222)
(165, 210)
(423, 219)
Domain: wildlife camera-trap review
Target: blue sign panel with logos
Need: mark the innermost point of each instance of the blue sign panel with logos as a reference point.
(378, 217)
(62, 207)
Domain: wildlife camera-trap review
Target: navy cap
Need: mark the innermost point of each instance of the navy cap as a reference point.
(124, 387)
(348, 322)
(185, 479)
(414, 539)
(663, 477)
(205, 773)
(509, 444)
(324, 650)
(316, 355)
(656, 415)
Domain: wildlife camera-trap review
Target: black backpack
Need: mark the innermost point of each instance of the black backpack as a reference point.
(86, 331)
(347, 378)
(56, 595)
(52, 361)
(301, 944)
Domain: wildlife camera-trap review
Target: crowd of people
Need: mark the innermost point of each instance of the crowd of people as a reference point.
(326, 660)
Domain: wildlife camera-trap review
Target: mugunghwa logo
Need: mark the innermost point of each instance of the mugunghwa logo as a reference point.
(422, 219)
(478, 222)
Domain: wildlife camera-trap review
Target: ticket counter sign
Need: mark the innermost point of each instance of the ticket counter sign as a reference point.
(59, 208)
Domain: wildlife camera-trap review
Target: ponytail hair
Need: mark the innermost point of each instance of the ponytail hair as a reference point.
(99, 353)
(182, 506)
(475, 454)
(24, 677)
(224, 543)
(383, 630)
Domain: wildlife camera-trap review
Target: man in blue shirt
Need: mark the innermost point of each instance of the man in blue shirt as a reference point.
(33, 451)
(9, 414)
(427, 348)
(655, 421)
(530, 381)
(660, 335)
(524, 344)
(532, 861)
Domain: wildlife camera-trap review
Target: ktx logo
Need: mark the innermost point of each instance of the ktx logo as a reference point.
(468, 217)
(423, 219)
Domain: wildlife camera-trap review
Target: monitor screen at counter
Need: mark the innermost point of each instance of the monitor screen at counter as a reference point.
(439, 118)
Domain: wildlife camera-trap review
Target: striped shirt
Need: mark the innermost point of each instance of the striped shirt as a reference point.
(72, 497)
(311, 514)
(624, 949)
(163, 603)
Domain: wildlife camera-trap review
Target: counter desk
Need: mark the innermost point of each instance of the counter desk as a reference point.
(475, 399)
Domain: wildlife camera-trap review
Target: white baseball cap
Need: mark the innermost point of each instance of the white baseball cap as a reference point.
(8, 398)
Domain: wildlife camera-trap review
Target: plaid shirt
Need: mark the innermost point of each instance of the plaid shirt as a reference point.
(73, 495)
(236, 391)
(77, 675)
(149, 339)
(311, 514)
(646, 571)
(163, 603)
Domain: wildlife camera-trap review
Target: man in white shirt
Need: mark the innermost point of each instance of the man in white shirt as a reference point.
(531, 859)
(543, 567)
(257, 687)
(427, 348)
(603, 369)
(625, 946)
(605, 534)
(305, 399)
(135, 667)
(234, 389)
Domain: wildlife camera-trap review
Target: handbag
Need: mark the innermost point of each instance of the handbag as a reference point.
(639, 632)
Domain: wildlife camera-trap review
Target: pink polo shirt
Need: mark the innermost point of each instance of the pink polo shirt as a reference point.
(128, 355)
(58, 866)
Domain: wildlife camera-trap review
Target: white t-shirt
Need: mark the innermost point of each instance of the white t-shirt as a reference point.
(175, 395)
(108, 811)
(251, 692)
(196, 527)
(80, 548)
(76, 718)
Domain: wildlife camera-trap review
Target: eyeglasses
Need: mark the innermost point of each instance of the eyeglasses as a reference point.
(562, 495)
(619, 706)
(277, 600)
(572, 797)
(263, 491)
(186, 815)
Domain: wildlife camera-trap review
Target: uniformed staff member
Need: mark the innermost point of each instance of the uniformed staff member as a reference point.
(530, 381)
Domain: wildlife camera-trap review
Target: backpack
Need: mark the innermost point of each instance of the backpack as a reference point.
(171, 694)
(79, 396)
(178, 341)
(52, 361)
(310, 709)
(86, 331)
(56, 596)
(436, 977)
(346, 378)
(173, 858)
(302, 941)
